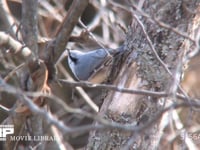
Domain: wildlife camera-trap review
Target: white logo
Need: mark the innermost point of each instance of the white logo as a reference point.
(5, 130)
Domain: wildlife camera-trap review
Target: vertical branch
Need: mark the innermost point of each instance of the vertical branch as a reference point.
(69, 22)
(30, 37)
(56, 48)
(29, 24)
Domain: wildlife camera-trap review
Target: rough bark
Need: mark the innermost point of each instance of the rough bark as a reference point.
(142, 70)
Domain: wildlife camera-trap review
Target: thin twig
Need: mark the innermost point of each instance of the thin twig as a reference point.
(5, 109)
(114, 88)
(13, 72)
(158, 58)
(90, 33)
(59, 139)
(104, 123)
(82, 93)
(153, 19)
(151, 45)
(162, 24)
(121, 89)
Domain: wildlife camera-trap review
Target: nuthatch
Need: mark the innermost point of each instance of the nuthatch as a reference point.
(93, 66)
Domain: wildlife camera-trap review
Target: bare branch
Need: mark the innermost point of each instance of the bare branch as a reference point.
(114, 88)
(29, 24)
(153, 19)
(106, 124)
(7, 18)
(68, 24)
(16, 46)
(81, 92)
(122, 89)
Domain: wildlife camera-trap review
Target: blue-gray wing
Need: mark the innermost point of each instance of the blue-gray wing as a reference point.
(85, 63)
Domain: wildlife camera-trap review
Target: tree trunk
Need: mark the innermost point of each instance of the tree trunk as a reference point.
(142, 70)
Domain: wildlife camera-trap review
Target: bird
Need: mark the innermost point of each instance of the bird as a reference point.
(93, 66)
